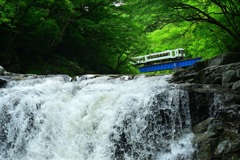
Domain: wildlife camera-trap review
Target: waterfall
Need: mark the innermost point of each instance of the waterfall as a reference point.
(94, 118)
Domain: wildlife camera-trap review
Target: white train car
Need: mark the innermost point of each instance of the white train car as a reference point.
(168, 55)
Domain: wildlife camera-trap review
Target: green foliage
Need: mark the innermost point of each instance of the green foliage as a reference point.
(56, 65)
(203, 28)
(89, 33)
(199, 41)
(103, 35)
(165, 72)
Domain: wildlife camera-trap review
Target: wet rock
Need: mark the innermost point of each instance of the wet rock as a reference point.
(199, 103)
(218, 145)
(201, 127)
(229, 76)
(236, 86)
(2, 83)
(217, 137)
(2, 70)
(214, 101)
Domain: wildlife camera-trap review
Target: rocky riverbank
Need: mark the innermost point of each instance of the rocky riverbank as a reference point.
(222, 70)
(214, 96)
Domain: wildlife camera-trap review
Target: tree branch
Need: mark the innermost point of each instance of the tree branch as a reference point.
(201, 16)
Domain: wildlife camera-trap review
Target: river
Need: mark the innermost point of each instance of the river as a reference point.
(94, 118)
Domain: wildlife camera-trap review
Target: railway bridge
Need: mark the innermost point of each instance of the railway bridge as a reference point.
(169, 65)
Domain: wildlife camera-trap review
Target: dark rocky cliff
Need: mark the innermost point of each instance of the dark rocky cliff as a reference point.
(214, 94)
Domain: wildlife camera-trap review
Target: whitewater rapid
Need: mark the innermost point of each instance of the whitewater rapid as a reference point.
(94, 118)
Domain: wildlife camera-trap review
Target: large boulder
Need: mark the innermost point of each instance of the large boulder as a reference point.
(227, 58)
(215, 119)
(217, 137)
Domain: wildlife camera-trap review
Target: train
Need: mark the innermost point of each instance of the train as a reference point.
(168, 55)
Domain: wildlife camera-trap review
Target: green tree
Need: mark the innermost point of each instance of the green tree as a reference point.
(204, 28)
(96, 34)
(221, 15)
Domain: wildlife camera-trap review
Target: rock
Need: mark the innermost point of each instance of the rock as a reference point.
(217, 137)
(229, 76)
(198, 66)
(201, 127)
(214, 101)
(216, 146)
(2, 70)
(217, 80)
(199, 102)
(2, 82)
(227, 58)
(236, 86)
(238, 72)
(225, 75)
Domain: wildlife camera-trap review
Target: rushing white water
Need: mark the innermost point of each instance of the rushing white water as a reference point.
(99, 118)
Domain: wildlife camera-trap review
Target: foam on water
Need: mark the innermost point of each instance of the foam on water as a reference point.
(99, 118)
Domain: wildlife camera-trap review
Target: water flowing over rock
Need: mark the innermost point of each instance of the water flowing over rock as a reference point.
(94, 118)
(214, 101)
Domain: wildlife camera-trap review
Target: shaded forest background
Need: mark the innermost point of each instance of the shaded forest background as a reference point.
(100, 36)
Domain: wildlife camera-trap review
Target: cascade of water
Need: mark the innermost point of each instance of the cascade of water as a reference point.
(98, 118)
